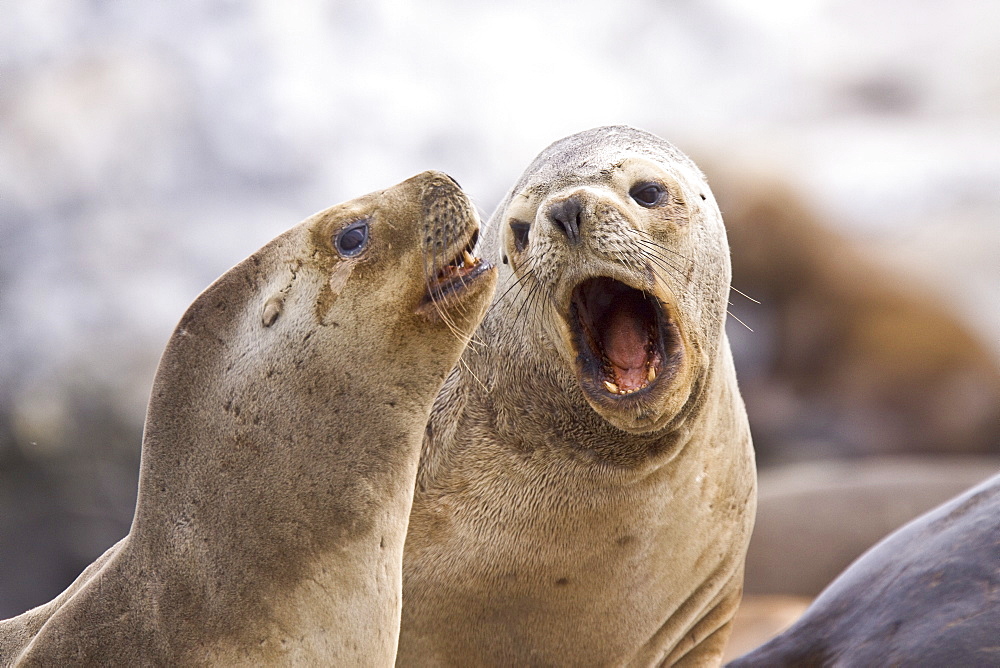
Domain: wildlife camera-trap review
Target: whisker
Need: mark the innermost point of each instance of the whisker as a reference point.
(461, 360)
(528, 267)
(650, 238)
(543, 294)
(664, 260)
(738, 320)
(520, 285)
(532, 291)
(626, 260)
(740, 292)
(665, 266)
(435, 260)
(648, 245)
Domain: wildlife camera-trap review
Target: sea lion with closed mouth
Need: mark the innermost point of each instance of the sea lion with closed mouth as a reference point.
(587, 491)
(281, 447)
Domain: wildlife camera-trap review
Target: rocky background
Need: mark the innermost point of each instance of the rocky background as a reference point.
(147, 147)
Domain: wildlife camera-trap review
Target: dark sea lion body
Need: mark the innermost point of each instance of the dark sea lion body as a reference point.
(280, 450)
(927, 595)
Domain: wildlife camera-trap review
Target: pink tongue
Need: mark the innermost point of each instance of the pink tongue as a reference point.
(625, 346)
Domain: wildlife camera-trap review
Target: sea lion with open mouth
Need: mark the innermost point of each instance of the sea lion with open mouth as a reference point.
(280, 449)
(587, 488)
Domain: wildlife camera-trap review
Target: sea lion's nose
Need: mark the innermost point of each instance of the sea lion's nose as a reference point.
(567, 215)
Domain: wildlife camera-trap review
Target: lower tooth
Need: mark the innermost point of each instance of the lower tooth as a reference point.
(651, 376)
(612, 388)
(469, 260)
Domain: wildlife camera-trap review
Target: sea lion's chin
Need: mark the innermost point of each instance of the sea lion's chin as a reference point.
(627, 352)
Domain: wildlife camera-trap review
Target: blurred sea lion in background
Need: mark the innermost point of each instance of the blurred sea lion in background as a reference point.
(846, 361)
(281, 447)
(846, 358)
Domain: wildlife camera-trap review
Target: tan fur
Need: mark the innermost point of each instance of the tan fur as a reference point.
(550, 527)
(279, 454)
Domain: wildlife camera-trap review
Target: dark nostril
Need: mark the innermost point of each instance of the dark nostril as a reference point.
(566, 215)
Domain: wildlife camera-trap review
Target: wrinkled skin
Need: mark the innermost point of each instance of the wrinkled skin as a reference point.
(280, 451)
(555, 520)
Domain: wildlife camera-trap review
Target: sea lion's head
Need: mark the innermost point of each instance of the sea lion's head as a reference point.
(284, 429)
(616, 246)
(374, 297)
(396, 269)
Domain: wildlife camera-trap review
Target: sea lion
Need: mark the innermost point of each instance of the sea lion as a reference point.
(927, 595)
(281, 447)
(847, 358)
(586, 491)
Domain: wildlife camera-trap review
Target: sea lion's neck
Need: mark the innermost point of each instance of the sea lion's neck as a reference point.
(583, 507)
(259, 497)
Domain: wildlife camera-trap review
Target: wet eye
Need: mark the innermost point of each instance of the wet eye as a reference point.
(520, 230)
(352, 239)
(648, 194)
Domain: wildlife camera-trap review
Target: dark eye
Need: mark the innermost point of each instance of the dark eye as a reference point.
(648, 194)
(353, 239)
(520, 230)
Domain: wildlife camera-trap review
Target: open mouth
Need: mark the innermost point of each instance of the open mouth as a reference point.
(625, 340)
(457, 274)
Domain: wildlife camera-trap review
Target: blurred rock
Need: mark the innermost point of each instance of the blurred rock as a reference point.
(62, 506)
(760, 618)
(815, 518)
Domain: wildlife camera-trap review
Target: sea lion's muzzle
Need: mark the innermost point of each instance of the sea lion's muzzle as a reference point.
(566, 215)
(625, 345)
(625, 340)
(451, 232)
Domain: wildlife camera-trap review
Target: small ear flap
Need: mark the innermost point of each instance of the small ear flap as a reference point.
(272, 310)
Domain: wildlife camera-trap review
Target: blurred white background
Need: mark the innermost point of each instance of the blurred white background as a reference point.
(147, 147)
